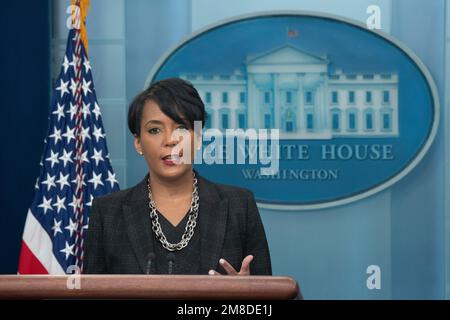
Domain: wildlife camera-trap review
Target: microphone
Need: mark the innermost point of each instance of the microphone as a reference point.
(171, 260)
(150, 258)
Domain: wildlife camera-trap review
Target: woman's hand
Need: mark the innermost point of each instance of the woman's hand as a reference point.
(245, 267)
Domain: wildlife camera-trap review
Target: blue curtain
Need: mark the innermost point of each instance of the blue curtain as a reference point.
(24, 102)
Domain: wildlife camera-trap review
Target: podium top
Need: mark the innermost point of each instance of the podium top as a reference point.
(148, 287)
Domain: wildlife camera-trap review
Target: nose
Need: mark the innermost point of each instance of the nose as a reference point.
(170, 140)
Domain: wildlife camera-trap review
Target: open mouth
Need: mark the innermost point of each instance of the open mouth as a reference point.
(172, 158)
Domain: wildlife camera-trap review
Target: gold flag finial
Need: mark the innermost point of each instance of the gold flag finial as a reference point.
(84, 8)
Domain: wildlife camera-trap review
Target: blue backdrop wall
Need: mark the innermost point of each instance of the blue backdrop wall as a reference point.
(401, 229)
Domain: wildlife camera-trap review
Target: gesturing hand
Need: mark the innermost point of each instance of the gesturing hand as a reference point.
(245, 267)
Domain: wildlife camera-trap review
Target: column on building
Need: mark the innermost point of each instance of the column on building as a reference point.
(360, 121)
(216, 108)
(233, 96)
(300, 104)
(233, 118)
(252, 114)
(319, 106)
(394, 105)
(276, 100)
(326, 104)
(214, 122)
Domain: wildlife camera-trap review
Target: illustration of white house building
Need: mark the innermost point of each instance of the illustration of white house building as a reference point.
(294, 91)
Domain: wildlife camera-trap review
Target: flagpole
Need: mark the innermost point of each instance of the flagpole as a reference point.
(79, 191)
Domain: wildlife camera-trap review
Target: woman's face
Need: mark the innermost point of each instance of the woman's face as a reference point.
(167, 146)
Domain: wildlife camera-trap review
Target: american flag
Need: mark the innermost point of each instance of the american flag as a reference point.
(75, 168)
(292, 33)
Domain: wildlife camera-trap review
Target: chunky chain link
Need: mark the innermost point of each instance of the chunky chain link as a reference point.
(192, 221)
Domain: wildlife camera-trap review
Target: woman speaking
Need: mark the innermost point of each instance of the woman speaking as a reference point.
(174, 221)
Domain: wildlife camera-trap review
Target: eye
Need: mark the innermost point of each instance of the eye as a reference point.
(153, 130)
(182, 127)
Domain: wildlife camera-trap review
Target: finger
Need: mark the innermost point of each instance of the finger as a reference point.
(214, 273)
(228, 267)
(245, 267)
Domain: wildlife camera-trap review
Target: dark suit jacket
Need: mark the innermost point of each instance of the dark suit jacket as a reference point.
(119, 237)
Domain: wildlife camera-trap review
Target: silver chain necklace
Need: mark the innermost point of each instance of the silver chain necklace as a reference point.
(192, 222)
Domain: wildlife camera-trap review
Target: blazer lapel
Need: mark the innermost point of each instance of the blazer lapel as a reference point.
(138, 224)
(213, 213)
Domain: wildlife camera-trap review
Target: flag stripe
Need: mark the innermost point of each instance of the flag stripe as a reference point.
(39, 244)
(29, 264)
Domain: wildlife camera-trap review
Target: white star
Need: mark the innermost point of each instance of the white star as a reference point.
(65, 64)
(73, 86)
(68, 250)
(85, 110)
(60, 111)
(53, 158)
(71, 227)
(97, 156)
(75, 203)
(74, 62)
(59, 204)
(96, 111)
(87, 65)
(46, 204)
(96, 180)
(63, 181)
(112, 178)
(36, 186)
(56, 135)
(83, 157)
(85, 134)
(89, 204)
(98, 133)
(50, 181)
(72, 111)
(85, 87)
(69, 134)
(63, 87)
(66, 157)
(56, 227)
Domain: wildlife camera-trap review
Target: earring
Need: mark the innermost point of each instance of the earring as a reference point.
(140, 152)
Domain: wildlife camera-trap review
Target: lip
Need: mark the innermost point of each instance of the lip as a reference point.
(172, 160)
(169, 162)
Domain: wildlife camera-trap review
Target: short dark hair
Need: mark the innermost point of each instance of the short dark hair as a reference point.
(177, 99)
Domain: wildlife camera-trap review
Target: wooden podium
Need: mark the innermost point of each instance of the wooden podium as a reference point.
(148, 287)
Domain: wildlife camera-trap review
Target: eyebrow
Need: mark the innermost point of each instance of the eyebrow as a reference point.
(159, 122)
(153, 121)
